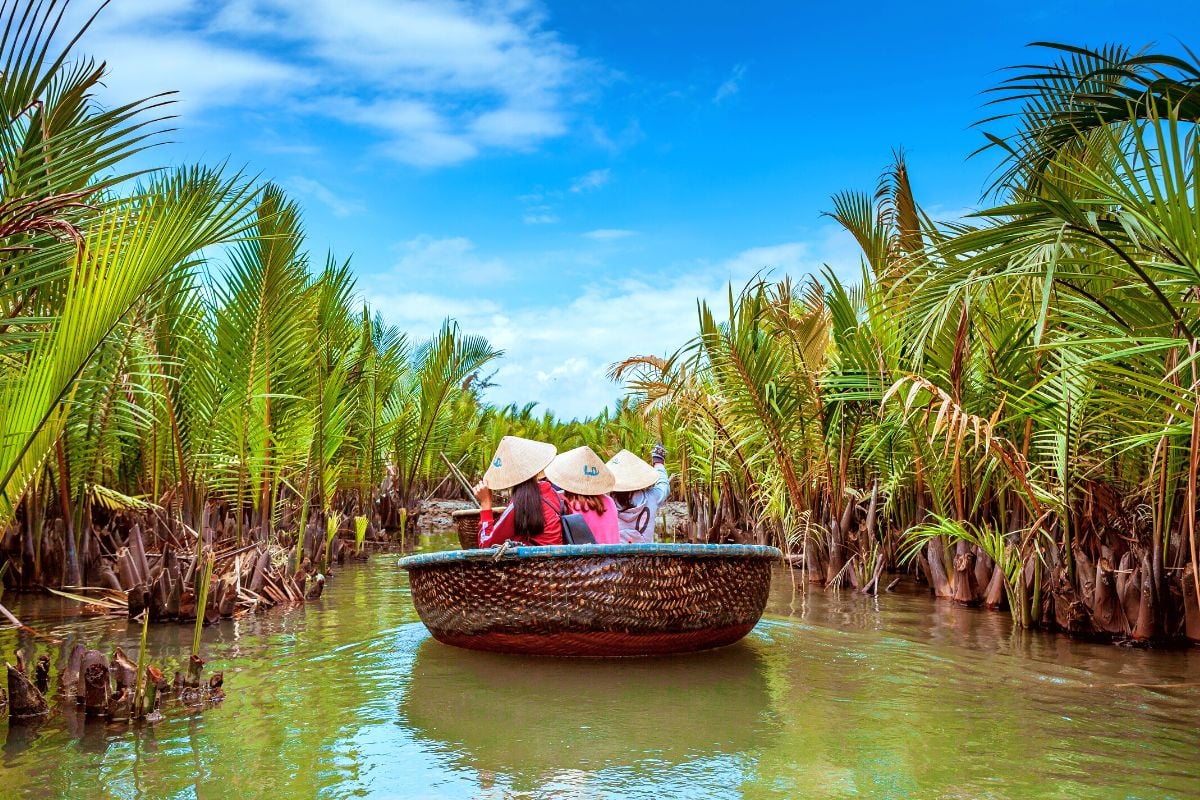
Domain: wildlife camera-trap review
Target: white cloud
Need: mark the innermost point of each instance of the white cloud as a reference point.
(731, 85)
(416, 133)
(448, 261)
(591, 180)
(438, 81)
(516, 128)
(541, 205)
(609, 234)
(558, 353)
(307, 187)
(422, 312)
(127, 14)
(204, 74)
(783, 257)
(420, 44)
(630, 135)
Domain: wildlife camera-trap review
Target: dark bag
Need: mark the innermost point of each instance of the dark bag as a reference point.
(575, 529)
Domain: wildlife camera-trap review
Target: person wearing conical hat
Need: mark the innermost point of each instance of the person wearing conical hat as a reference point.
(532, 515)
(639, 490)
(586, 481)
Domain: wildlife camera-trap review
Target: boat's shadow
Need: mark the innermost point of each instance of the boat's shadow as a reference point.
(535, 716)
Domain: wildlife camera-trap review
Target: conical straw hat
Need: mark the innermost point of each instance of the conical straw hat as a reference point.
(631, 472)
(516, 461)
(580, 471)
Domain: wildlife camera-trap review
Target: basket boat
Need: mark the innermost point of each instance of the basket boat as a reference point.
(592, 600)
(466, 522)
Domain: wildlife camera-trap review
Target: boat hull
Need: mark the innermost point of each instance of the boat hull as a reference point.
(594, 600)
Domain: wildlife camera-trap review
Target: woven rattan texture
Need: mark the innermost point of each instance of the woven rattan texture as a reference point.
(604, 598)
(466, 522)
(468, 531)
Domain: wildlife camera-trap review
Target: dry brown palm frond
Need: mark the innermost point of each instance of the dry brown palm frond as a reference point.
(953, 425)
(617, 371)
(24, 215)
(905, 217)
(806, 324)
(656, 382)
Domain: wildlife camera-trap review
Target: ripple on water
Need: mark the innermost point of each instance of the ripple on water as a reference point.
(833, 695)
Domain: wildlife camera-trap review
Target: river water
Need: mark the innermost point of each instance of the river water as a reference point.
(832, 695)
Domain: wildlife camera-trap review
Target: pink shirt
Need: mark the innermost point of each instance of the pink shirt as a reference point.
(603, 526)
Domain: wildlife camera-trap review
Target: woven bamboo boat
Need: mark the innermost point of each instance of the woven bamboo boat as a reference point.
(466, 522)
(592, 600)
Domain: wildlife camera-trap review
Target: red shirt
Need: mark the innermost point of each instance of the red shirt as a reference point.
(501, 530)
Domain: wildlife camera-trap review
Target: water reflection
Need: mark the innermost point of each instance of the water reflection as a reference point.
(541, 720)
(832, 695)
(20, 735)
(901, 696)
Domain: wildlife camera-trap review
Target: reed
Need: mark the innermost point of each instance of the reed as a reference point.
(203, 578)
(331, 528)
(360, 533)
(139, 694)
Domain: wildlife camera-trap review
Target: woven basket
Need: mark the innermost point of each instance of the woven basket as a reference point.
(592, 600)
(478, 709)
(466, 522)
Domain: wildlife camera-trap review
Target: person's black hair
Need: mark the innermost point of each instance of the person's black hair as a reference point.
(623, 500)
(529, 521)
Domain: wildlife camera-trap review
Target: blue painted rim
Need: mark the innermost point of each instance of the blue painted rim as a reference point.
(592, 550)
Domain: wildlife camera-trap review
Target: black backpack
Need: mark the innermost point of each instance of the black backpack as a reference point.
(575, 529)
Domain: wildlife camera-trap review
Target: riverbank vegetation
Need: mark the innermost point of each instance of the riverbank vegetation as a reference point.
(178, 373)
(1008, 403)
(184, 382)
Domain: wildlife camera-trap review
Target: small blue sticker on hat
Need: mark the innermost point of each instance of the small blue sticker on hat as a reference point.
(497, 463)
(590, 471)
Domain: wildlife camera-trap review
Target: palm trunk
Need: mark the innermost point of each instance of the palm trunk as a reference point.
(939, 579)
(64, 496)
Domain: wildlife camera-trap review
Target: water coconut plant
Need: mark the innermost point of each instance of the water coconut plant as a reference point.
(1007, 402)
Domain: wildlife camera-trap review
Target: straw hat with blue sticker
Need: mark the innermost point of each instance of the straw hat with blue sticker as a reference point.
(631, 472)
(516, 461)
(581, 471)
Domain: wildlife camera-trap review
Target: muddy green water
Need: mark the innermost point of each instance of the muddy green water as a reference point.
(831, 696)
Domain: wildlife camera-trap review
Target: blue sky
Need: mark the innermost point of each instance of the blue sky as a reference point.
(568, 177)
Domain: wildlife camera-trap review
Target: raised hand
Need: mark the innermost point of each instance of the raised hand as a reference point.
(484, 495)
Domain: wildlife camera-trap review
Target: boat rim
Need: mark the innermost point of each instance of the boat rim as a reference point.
(471, 512)
(593, 550)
